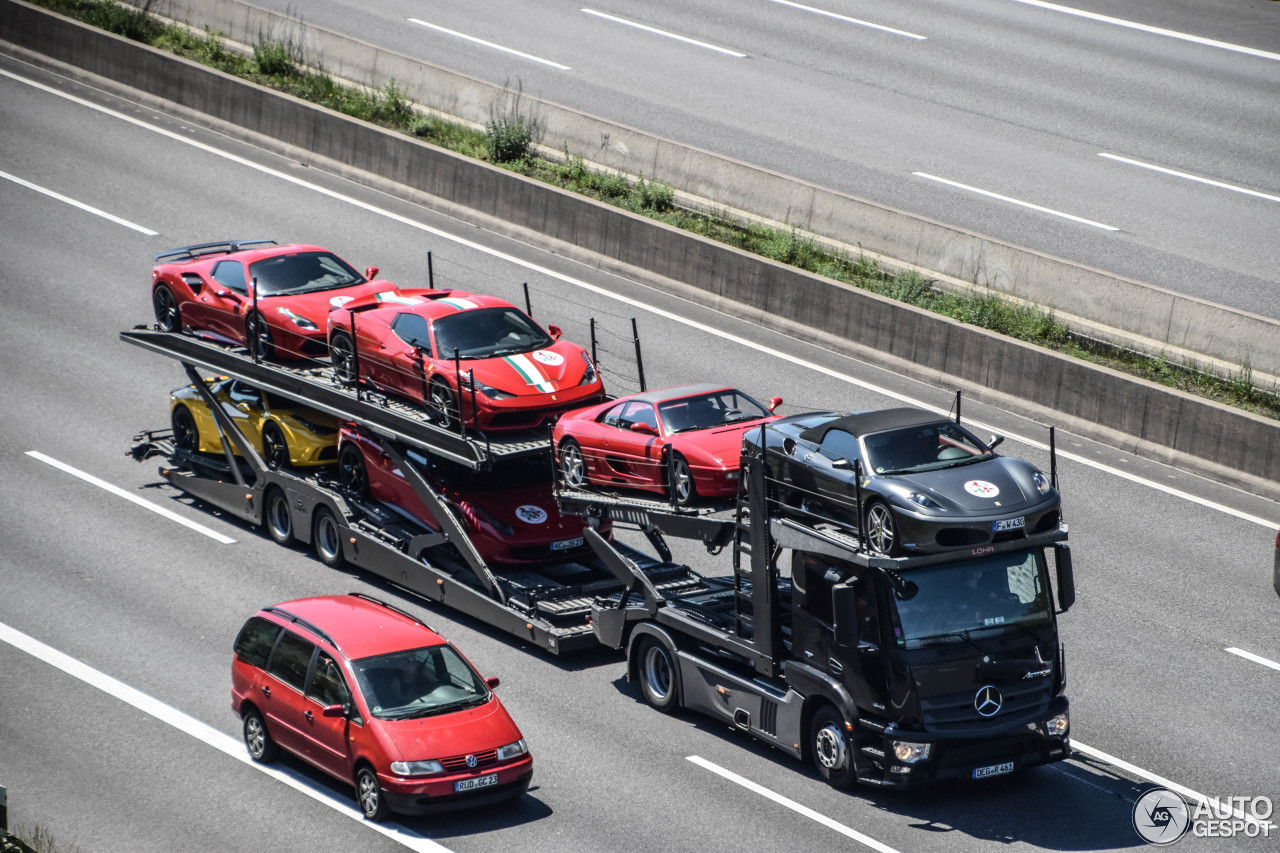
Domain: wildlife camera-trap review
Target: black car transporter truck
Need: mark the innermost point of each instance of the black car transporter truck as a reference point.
(886, 671)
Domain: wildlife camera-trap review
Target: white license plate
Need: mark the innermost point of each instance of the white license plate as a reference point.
(482, 782)
(993, 770)
(1010, 524)
(567, 544)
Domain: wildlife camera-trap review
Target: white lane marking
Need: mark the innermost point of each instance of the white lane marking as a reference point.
(116, 490)
(1190, 177)
(791, 804)
(205, 734)
(86, 208)
(489, 44)
(1255, 658)
(1026, 204)
(641, 306)
(1187, 793)
(658, 32)
(827, 14)
(1120, 22)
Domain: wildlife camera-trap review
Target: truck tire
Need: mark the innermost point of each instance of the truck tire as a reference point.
(657, 668)
(277, 518)
(326, 538)
(831, 748)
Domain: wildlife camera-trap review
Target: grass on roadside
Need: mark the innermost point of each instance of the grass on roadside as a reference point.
(510, 138)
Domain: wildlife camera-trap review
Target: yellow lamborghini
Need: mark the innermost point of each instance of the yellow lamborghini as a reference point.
(283, 432)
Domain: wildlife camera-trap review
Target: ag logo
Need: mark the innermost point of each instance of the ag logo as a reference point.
(548, 357)
(981, 488)
(531, 514)
(1160, 816)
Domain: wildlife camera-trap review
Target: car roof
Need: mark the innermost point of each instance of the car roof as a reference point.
(859, 424)
(359, 626)
(677, 391)
(246, 251)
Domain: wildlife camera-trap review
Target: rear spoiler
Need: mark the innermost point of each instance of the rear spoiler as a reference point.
(393, 295)
(225, 247)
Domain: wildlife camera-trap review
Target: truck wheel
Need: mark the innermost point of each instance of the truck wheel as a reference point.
(831, 748)
(657, 675)
(326, 538)
(278, 520)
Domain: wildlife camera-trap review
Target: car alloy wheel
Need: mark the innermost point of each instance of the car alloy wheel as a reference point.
(168, 316)
(572, 465)
(275, 449)
(343, 355)
(351, 471)
(881, 529)
(186, 436)
(369, 795)
(442, 404)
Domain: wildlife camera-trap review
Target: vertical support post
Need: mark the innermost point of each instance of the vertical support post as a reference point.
(457, 372)
(857, 499)
(528, 306)
(671, 478)
(422, 376)
(1053, 458)
(257, 320)
(594, 359)
(471, 380)
(635, 334)
(431, 275)
(355, 353)
(4, 811)
(957, 405)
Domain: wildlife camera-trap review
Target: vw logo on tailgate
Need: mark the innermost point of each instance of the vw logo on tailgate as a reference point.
(987, 701)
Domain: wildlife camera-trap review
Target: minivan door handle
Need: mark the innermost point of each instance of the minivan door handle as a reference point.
(310, 717)
(266, 689)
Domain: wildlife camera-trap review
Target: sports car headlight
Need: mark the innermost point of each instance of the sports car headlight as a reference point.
(921, 499)
(512, 750)
(589, 376)
(416, 768)
(298, 320)
(487, 390)
(317, 429)
(1042, 483)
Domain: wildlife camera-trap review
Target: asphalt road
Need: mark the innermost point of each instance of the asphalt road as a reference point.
(1142, 144)
(128, 742)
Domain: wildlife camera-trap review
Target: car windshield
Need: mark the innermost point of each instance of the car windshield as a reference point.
(419, 683)
(926, 447)
(302, 272)
(487, 333)
(985, 596)
(710, 410)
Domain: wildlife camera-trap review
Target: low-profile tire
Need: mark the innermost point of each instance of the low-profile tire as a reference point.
(573, 465)
(277, 518)
(442, 403)
(369, 794)
(168, 314)
(352, 475)
(681, 489)
(186, 435)
(342, 352)
(326, 538)
(257, 739)
(880, 529)
(260, 344)
(275, 449)
(657, 668)
(831, 748)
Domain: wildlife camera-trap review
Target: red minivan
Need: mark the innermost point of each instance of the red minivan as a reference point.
(372, 696)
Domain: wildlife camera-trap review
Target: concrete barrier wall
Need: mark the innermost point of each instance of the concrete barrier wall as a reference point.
(1195, 434)
(1150, 317)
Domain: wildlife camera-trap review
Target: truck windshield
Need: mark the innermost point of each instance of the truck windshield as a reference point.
(988, 596)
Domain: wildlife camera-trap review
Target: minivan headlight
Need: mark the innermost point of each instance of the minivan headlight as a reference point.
(416, 768)
(512, 750)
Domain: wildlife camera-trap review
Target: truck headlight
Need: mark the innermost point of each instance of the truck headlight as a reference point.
(1057, 726)
(910, 753)
(416, 768)
(512, 750)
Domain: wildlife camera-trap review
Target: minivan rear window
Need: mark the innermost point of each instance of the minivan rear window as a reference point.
(258, 635)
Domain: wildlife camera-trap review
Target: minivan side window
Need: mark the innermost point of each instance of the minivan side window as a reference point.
(291, 659)
(258, 635)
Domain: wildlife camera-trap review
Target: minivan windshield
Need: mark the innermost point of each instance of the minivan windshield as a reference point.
(986, 596)
(419, 683)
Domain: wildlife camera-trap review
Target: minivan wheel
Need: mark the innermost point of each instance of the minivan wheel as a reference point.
(369, 794)
(257, 740)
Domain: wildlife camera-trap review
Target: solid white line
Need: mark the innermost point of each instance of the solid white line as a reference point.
(1189, 177)
(1255, 658)
(116, 490)
(639, 305)
(1015, 201)
(847, 20)
(792, 804)
(86, 208)
(1186, 792)
(1094, 16)
(658, 32)
(205, 734)
(511, 51)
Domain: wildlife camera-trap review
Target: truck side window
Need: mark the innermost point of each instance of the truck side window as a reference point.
(817, 590)
(866, 611)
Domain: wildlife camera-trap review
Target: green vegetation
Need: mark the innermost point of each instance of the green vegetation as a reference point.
(510, 138)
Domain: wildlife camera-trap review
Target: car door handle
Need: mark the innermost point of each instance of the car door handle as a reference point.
(266, 689)
(310, 716)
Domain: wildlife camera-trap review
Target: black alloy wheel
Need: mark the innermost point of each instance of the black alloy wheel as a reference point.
(168, 315)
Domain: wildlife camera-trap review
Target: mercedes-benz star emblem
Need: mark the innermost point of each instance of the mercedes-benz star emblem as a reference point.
(471, 761)
(987, 702)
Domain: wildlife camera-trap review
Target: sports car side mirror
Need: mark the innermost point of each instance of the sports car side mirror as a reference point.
(774, 403)
(370, 272)
(841, 465)
(555, 331)
(995, 440)
(643, 428)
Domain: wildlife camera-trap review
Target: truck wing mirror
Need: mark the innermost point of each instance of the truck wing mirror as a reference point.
(1066, 576)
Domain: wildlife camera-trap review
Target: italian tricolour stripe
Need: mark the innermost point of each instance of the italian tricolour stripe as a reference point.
(460, 304)
(530, 372)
